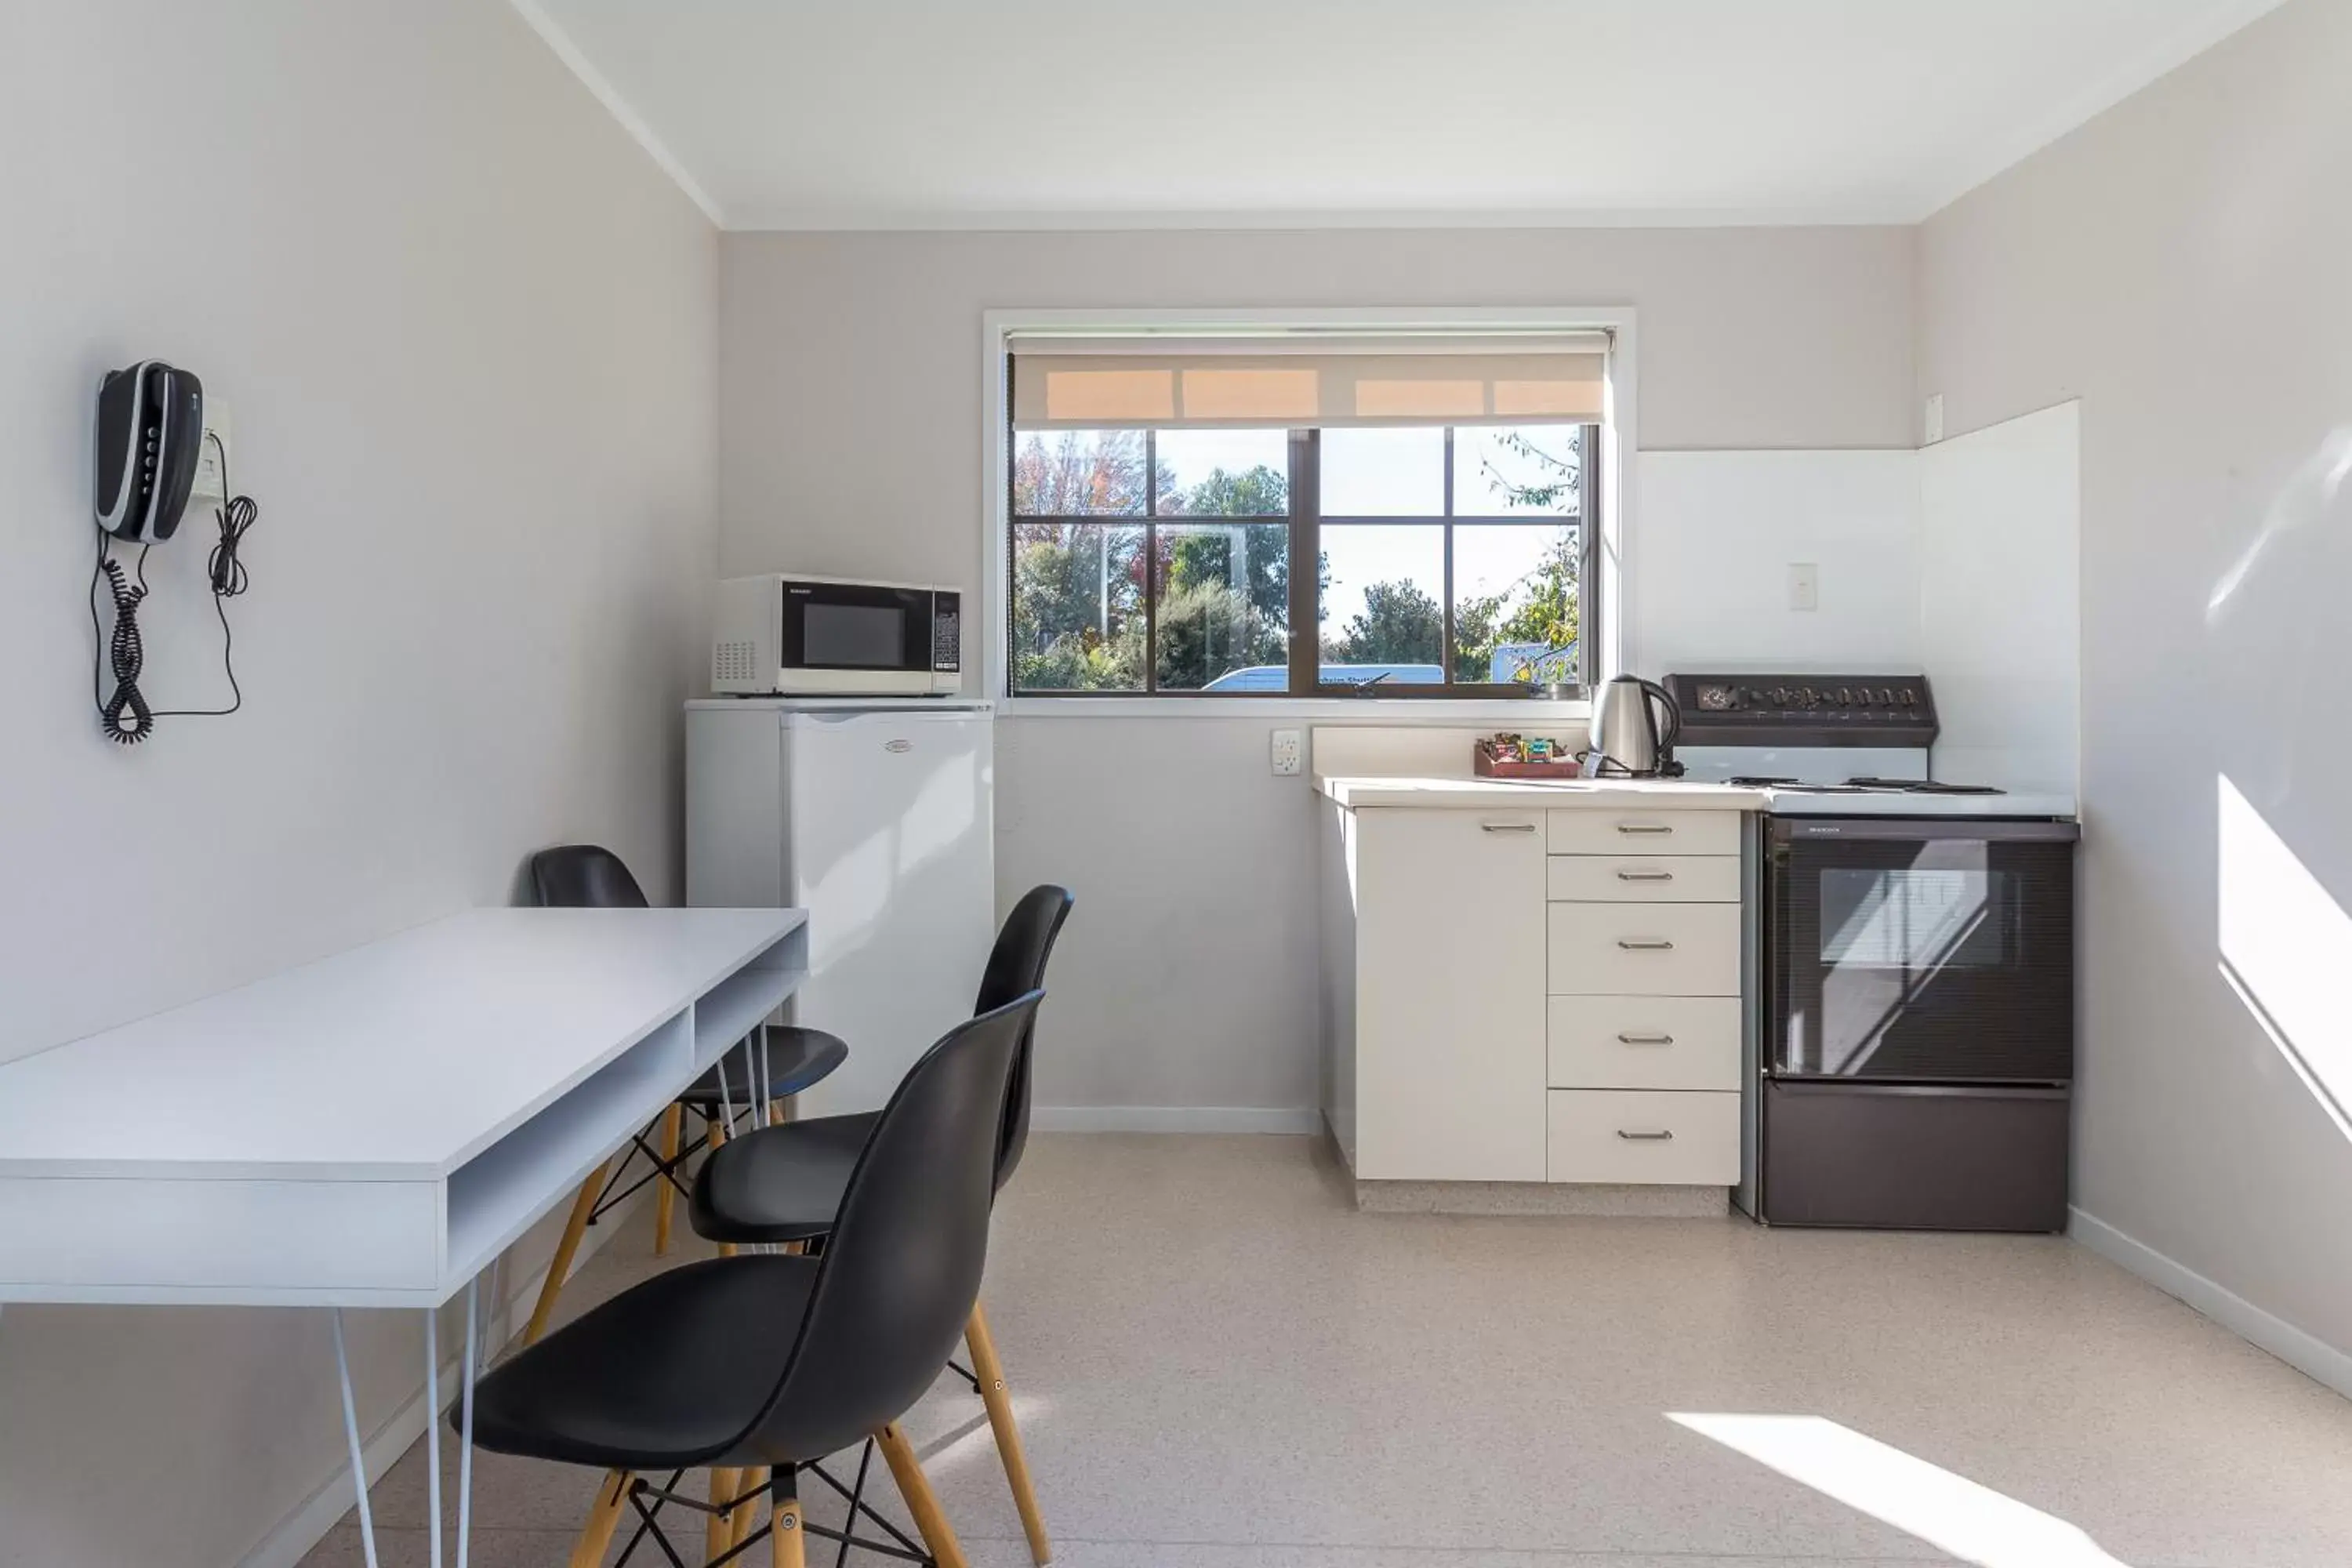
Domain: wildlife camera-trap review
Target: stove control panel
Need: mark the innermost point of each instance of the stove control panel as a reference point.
(1804, 709)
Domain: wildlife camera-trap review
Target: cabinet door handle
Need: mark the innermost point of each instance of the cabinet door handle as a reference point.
(1660, 1136)
(1645, 1039)
(1644, 827)
(1507, 827)
(1646, 876)
(1646, 944)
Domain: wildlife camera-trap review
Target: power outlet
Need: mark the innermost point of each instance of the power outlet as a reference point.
(1804, 585)
(1285, 752)
(212, 461)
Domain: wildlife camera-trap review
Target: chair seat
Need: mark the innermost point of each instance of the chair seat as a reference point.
(668, 1375)
(779, 1184)
(797, 1057)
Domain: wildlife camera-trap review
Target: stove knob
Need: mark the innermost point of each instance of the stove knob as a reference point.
(1806, 699)
(1910, 698)
(1845, 697)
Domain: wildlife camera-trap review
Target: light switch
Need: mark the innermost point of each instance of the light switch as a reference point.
(1283, 752)
(1931, 423)
(1804, 585)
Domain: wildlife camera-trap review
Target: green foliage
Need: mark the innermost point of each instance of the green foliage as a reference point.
(1400, 623)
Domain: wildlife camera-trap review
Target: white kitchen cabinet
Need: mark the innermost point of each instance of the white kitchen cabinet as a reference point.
(1519, 992)
(1646, 879)
(1644, 950)
(1449, 995)
(1645, 1042)
(1644, 1136)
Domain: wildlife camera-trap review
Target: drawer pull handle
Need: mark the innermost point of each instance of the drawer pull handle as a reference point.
(1507, 827)
(1646, 944)
(1644, 827)
(1646, 876)
(1645, 1039)
(1660, 1136)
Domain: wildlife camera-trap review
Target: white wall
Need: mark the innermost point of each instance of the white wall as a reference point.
(852, 441)
(468, 334)
(1708, 578)
(2183, 265)
(2001, 600)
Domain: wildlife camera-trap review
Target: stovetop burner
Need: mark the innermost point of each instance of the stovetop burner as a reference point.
(1865, 787)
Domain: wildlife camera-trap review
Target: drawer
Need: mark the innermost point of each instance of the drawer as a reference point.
(1646, 879)
(1621, 831)
(1644, 1136)
(1643, 950)
(1644, 1042)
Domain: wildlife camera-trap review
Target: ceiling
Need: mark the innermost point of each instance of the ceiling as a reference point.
(1116, 113)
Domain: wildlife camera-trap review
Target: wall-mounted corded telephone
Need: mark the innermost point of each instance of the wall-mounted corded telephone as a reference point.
(151, 441)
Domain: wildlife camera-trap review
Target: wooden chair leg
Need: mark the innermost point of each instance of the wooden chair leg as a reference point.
(721, 1532)
(931, 1523)
(719, 1136)
(666, 1197)
(752, 1482)
(611, 1494)
(999, 1400)
(785, 1547)
(574, 1228)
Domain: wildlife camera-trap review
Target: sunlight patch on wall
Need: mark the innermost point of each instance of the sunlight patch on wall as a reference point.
(2287, 950)
(1950, 1512)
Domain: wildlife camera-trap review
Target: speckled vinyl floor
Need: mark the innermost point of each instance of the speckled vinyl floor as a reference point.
(1218, 1363)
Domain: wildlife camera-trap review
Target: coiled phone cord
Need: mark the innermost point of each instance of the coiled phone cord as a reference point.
(125, 716)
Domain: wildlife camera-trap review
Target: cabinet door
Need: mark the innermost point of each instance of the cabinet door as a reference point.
(1450, 953)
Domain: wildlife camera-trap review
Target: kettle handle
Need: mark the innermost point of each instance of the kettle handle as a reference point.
(1672, 728)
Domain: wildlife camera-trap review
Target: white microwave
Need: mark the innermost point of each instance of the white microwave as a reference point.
(834, 637)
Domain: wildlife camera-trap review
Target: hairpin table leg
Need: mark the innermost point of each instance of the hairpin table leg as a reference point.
(351, 1434)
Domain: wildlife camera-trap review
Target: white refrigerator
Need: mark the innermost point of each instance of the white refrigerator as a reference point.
(877, 818)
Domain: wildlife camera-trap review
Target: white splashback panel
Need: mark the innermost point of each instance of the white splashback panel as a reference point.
(2001, 599)
(1717, 533)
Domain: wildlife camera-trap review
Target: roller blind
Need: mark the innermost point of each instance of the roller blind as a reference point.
(1062, 383)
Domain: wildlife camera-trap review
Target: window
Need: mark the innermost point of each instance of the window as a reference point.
(1149, 556)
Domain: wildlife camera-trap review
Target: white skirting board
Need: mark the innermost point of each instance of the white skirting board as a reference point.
(291, 1538)
(1176, 1118)
(2314, 1357)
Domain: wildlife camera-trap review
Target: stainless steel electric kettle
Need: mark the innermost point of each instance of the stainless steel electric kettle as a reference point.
(1634, 724)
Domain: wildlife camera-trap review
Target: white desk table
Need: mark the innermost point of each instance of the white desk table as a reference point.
(374, 1129)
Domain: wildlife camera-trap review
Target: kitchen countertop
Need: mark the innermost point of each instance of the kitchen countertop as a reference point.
(1534, 793)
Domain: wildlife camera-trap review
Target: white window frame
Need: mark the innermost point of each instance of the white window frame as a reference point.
(1618, 500)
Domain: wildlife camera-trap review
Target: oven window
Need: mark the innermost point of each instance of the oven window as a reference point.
(1925, 918)
(853, 636)
(1946, 960)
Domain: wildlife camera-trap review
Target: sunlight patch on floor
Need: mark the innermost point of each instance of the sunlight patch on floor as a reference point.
(1950, 1512)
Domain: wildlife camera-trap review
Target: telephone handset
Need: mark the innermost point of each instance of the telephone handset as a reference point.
(151, 435)
(151, 431)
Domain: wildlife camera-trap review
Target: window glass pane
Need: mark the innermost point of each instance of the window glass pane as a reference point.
(1077, 473)
(1225, 606)
(1516, 471)
(1515, 601)
(1077, 607)
(1224, 473)
(1384, 473)
(1381, 611)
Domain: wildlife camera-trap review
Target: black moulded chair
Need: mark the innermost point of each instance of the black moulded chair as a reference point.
(784, 1185)
(756, 1367)
(588, 875)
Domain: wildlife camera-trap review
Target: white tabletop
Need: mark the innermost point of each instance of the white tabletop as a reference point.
(400, 1060)
(374, 1128)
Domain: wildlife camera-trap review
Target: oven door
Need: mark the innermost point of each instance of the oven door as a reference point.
(1936, 951)
(857, 630)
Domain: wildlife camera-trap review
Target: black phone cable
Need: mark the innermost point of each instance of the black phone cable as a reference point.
(125, 716)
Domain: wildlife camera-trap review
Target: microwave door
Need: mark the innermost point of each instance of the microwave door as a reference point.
(841, 627)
